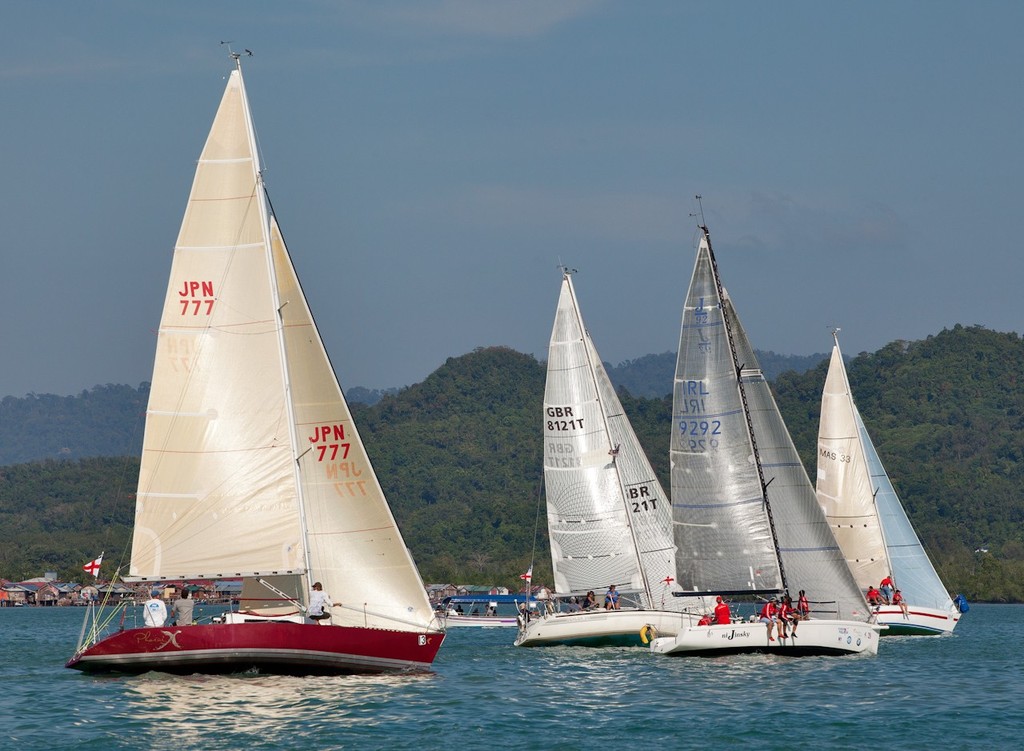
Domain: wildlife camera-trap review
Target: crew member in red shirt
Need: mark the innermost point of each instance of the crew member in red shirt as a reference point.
(769, 614)
(887, 587)
(874, 596)
(897, 599)
(793, 615)
(803, 608)
(722, 615)
(785, 615)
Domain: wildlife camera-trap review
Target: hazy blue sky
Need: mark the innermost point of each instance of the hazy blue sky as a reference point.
(430, 163)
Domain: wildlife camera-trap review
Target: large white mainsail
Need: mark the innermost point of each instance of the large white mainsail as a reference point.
(862, 506)
(217, 489)
(251, 464)
(608, 517)
(747, 520)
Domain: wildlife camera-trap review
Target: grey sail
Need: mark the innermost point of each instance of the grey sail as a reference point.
(746, 516)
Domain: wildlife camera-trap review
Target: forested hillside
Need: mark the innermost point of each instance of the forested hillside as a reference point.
(459, 457)
(103, 421)
(56, 515)
(109, 420)
(651, 375)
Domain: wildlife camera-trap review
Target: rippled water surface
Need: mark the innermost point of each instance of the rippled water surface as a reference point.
(960, 692)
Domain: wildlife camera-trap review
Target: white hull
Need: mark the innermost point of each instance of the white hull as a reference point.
(813, 637)
(599, 628)
(919, 621)
(480, 621)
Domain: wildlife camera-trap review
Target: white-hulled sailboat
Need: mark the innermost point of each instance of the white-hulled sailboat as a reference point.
(251, 465)
(748, 524)
(609, 521)
(867, 518)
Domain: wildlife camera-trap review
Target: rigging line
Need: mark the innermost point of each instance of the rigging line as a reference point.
(536, 528)
(118, 491)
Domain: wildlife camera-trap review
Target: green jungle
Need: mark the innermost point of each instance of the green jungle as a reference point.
(459, 456)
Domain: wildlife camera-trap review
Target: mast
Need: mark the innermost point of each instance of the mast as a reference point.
(265, 214)
(746, 409)
(566, 275)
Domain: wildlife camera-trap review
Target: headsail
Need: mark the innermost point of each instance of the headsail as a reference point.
(844, 486)
(608, 517)
(355, 547)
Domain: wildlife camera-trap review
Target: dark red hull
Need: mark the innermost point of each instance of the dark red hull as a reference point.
(278, 647)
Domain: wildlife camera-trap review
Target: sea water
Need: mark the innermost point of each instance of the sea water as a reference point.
(963, 691)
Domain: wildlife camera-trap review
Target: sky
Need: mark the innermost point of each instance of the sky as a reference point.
(432, 163)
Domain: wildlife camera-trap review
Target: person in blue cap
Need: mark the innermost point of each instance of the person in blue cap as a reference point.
(154, 612)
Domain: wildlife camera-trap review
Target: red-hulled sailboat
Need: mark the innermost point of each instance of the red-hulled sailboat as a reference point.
(252, 467)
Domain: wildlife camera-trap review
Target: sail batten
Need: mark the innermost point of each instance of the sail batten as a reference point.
(238, 160)
(246, 246)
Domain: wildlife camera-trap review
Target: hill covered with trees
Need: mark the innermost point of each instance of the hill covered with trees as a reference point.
(103, 421)
(651, 375)
(459, 456)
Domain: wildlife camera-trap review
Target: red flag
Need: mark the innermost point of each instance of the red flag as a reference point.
(528, 576)
(93, 567)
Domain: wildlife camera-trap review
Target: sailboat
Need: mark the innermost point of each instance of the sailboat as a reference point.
(252, 467)
(868, 520)
(748, 525)
(609, 521)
